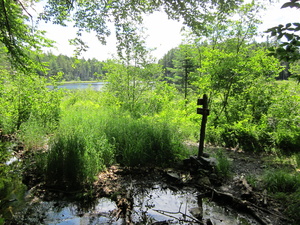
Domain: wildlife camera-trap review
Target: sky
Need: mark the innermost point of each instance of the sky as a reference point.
(162, 34)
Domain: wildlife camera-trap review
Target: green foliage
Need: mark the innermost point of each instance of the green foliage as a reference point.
(127, 16)
(297, 160)
(24, 98)
(130, 86)
(293, 208)
(281, 181)
(71, 67)
(185, 64)
(19, 39)
(285, 186)
(4, 169)
(78, 151)
(11, 186)
(223, 167)
(144, 142)
(252, 180)
(91, 137)
(288, 50)
(295, 70)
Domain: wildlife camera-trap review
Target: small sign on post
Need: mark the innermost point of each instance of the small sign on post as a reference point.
(204, 112)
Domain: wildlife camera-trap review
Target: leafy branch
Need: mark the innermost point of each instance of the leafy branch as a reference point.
(287, 50)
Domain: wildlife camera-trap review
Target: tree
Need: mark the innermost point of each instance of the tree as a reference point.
(95, 15)
(288, 49)
(229, 63)
(184, 64)
(167, 62)
(19, 39)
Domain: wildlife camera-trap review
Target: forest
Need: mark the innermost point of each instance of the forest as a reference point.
(62, 142)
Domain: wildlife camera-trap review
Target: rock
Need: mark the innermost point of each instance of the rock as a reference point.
(208, 161)
(206, 155)
(174, 176)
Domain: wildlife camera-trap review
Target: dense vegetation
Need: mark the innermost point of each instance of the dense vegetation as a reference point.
(146, 110)
(72, 68)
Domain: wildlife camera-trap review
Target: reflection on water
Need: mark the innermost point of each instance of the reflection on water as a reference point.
(94, 85)
(182, 207)
(155, 204)
(151, 205)
(71, 214)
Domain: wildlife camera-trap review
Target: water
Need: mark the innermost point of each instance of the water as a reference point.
(150, 205)
(94, 85)
(72, 214)
(177, 207)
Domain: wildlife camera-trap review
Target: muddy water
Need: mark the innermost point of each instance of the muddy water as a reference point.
(151, 205)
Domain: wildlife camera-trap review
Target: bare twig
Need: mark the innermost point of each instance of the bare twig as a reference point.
(183, 214)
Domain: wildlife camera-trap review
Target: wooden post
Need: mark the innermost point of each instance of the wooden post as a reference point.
(205, 112)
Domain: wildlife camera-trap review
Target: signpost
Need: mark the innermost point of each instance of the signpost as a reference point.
(204, 112)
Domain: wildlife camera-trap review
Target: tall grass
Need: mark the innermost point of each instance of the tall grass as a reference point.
(281, 181)
(90, 138)
(223, 167)
(144, 142)
(78, 151)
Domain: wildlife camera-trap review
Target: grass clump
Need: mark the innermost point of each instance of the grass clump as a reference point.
(140, 142)
(281, 181)
(74, 160)
(78, 151)
(223, 167)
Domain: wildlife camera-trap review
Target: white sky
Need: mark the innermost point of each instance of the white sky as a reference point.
(163, 34)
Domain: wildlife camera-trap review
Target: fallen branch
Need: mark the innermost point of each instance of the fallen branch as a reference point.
(163, 212)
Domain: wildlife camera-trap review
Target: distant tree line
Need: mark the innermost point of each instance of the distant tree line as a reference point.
(180, 61)
(71, 67)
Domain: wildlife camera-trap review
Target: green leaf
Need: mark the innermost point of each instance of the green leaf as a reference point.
(291, 5)
(289, 36)
(288, 25)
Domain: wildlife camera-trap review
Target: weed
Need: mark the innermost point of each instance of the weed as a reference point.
(223, 166)
(252, 180)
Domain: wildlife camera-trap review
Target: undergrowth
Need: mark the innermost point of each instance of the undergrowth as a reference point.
(90, 138)
(285, 186)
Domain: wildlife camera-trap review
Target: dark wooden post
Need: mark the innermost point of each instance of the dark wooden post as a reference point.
(205, 112)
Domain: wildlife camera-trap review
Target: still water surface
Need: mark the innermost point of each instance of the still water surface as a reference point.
(94, 85)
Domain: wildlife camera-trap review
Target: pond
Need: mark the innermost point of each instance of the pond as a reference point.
(154, 199)
(158, 204)
(94, 85)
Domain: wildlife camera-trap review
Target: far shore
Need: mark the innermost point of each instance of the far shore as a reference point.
(79, 81)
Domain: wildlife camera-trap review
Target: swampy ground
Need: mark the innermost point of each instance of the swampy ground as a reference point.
(181, 194)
